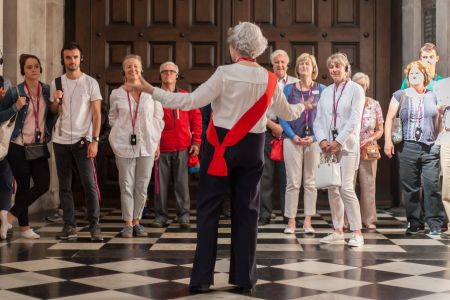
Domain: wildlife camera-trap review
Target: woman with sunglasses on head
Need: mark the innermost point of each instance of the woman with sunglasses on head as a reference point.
(33, 126)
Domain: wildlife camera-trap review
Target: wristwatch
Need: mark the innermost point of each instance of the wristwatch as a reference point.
(95, 138)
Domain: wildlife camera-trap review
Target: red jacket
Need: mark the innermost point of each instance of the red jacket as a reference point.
(181, 129)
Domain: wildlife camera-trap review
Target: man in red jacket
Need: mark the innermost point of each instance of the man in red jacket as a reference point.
(180, 139)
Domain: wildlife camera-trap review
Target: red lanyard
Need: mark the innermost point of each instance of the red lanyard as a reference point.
(336, 104)
(35, 108)
(133, 118)
(303, 99)
(242, 58)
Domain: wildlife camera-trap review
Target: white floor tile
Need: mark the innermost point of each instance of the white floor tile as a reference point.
(423, 283)
(134, 265)
(315, 267)
(118, 281)
(17, 280)
(41, 264)
(406, 268)
(323, 283)
(104, 295)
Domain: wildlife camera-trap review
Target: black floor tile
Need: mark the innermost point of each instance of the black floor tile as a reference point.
(275, 274)
(77, 272)
(164, 290)
(170, 273)
(380, 291)
(281, 291)
(368, 275)
(56, 290)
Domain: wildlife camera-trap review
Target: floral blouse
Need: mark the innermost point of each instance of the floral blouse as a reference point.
(372, 116)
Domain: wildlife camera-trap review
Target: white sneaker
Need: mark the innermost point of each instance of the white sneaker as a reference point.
(289, 230)
(29, 234)
(333, 238)
(309, 230)
(5, 225)
(356, 241)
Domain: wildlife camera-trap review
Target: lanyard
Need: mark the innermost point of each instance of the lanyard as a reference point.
(35, 108)
(243, 58)
(303, 99)
(133, 118)
(336, 103)
(419, 110)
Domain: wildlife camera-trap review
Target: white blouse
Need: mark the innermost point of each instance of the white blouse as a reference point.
(232, 90)
(349, 112)
(149, 124)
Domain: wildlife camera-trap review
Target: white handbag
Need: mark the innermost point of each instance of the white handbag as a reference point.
(328, 173)
(6, 130)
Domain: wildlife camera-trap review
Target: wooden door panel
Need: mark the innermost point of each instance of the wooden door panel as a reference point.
(193, 33)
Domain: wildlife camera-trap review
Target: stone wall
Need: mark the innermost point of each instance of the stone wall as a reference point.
(36, 27)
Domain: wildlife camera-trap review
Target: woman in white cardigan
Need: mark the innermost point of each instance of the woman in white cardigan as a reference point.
(336, 127)
(137, 122)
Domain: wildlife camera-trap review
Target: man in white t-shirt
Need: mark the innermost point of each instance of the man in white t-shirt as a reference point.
(77, 99)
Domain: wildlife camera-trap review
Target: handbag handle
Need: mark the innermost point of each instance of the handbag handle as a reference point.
(326, 158)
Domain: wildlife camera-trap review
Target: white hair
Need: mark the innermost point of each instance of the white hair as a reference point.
(247, 39)
(168, 63)
(278, 53)
(360, 75)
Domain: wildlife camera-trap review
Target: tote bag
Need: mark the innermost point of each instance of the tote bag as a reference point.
(328, 173)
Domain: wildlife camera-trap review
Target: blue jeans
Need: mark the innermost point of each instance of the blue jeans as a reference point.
(419, 163)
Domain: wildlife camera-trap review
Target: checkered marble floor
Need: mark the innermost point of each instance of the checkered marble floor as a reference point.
(390, 265)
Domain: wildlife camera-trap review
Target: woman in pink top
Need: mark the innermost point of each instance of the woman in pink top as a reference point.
(30, 100)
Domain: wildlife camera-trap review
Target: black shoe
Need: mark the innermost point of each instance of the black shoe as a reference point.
(226, 212)
(245, 290)
(158, 224)
(96, 234)
(68, 233)
(185, 225)
(56, 217)
(413, 230)
(263, 221)
(199, 289)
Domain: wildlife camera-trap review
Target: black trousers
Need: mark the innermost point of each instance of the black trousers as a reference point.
(245, 162)
(23, 171)
(6, 182)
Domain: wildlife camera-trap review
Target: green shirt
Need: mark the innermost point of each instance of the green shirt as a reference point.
(430, 86)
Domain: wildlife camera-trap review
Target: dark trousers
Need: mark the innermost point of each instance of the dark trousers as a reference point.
(64, 155)
(6, 182)
(245, 163)
(173, 165)
(268, 178)
(420, 163)
(24, 171)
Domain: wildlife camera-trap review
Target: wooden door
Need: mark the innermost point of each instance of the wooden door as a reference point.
(193, 33)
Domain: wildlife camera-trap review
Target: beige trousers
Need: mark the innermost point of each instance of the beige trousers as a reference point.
(301, 163)
(367, 183)
(344, 198)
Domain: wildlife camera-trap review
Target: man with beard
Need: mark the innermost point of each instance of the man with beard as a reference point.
(77, 99)
(280, 62)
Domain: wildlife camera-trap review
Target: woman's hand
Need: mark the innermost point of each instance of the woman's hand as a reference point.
(144, 86)
(389, 149)
(325, 146)
(306, 141)
(297, 140)
(335, 147)
(20, 103)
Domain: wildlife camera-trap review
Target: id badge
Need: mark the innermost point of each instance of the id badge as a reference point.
(37, 136)
(133, 140)
(334, 134)
(307, 131)
(418, 133)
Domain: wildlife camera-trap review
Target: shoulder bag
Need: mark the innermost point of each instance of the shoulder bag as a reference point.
(397, 128)
(6, 130)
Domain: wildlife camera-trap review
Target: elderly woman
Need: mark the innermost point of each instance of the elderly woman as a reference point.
(33, 125)
(337, 128)
(300, 149)
(371, 131)
(233, 161)
(418, 153)
(136, 124)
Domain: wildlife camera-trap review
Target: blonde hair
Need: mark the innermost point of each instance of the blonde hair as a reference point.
(132, 56)
(340, 59)
(423, 68)
(428, 47)
(303, 57)
(360, 75)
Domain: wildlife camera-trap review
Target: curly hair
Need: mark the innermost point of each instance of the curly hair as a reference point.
(423, 68)
(247, 39)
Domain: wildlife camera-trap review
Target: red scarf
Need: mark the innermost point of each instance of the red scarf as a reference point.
(218, 165)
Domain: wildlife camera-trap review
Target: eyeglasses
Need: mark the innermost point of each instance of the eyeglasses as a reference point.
(168, 72)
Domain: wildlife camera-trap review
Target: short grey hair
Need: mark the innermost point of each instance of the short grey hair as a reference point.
(360, 75)
(278, 53)
(168, 63)
(247, 39)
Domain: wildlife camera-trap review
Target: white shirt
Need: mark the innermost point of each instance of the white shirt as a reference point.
(232, 90)
(349, 112)
(148, 128)
(77, 114)
(281, 83)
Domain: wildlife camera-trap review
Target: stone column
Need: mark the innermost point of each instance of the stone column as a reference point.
(412, 30)
(34, 27)
(442, 40)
